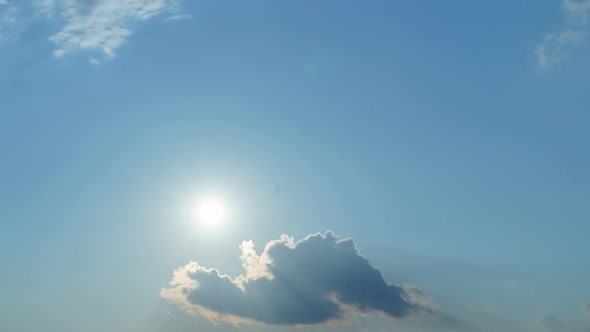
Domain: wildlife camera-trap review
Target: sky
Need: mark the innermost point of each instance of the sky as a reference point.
(311, 165)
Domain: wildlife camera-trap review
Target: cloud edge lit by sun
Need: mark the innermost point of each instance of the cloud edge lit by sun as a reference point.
(192, 287)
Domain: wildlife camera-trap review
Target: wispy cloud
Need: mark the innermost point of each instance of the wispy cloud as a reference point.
(44, 7)
(8, 18)
(320, 279)
(555, 45)
(102, 25)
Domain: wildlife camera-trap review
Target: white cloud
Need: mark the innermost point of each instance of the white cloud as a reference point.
(102, 25)
(555, 45)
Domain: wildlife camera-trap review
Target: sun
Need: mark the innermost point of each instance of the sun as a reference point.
(210, 212)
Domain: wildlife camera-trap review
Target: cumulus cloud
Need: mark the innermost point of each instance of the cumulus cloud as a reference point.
(320, 279)
(100, 24)
(555, 45)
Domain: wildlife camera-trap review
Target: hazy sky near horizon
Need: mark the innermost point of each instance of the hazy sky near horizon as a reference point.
(427, 160)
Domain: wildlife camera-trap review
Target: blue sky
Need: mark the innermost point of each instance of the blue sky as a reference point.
(447, 139)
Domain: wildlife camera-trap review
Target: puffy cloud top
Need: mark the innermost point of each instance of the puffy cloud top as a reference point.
(320, 279)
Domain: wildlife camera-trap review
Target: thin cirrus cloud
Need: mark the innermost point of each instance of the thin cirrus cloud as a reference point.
(322, 279)
(556, 45)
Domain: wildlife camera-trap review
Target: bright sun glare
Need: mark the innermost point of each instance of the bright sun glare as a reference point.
(210, 212)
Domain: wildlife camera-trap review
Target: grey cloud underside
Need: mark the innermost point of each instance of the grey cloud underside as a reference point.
(319, 279)
(553, 323)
